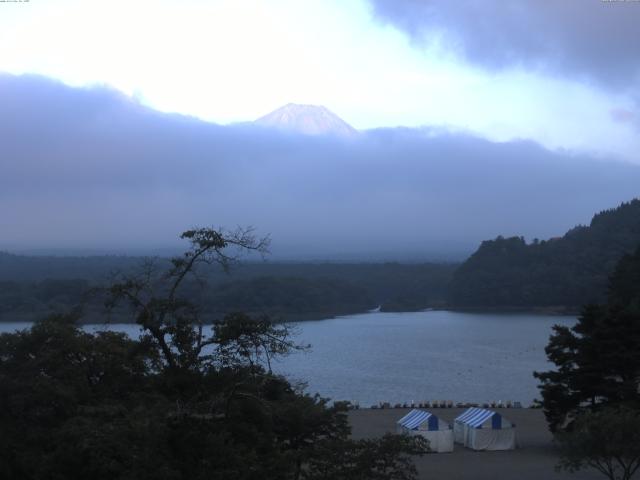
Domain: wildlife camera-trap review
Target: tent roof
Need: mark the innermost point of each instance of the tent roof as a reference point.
(479, 418)
(414, 419)
(467, 414)
(475, 417)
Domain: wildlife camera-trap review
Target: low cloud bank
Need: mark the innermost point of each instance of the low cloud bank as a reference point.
(88, 168)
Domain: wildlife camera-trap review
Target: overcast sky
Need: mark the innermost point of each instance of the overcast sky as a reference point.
(565, 74)
(478, 118)
(89, 168)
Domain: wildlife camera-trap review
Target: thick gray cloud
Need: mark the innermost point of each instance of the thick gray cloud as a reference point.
(584, 39)
(89, 168)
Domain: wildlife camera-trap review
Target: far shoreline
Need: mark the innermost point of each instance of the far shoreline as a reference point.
(559, 310)
(97, 319)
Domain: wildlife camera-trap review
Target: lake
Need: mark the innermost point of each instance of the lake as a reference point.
(417, 356)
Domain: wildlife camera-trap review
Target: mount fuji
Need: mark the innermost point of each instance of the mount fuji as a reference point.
(307, 119)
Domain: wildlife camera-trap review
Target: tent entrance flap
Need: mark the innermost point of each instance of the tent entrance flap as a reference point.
(496, 421)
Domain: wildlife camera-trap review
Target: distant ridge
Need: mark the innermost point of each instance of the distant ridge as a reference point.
(569, 271)
(308, 120)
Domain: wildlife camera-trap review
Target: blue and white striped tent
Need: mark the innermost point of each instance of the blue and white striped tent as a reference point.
(482, 429)
(436, 431)
(419, 418)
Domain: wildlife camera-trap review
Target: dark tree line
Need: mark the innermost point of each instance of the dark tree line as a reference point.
(286, 298)
(568, 272)
(598, 359)
(36, 286)
(592, 399)
(180, 402)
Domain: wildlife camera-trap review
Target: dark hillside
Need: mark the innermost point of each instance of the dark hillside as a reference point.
(568, 271)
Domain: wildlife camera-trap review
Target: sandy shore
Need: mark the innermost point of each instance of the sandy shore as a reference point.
(533, 460)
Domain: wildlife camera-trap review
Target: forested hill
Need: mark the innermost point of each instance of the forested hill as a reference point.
(566, 272)
(31, 287)
(23, 268)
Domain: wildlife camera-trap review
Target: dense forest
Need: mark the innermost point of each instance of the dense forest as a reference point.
(32, 287)
(178, 402)
(561, 272)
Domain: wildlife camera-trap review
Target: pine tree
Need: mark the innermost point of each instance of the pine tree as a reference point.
(598, 359)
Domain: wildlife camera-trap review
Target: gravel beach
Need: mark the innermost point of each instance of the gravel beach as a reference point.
(534, 459)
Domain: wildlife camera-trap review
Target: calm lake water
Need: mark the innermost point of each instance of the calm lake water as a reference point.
(404, 357)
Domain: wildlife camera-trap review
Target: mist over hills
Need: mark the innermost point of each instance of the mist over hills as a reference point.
(91, 169)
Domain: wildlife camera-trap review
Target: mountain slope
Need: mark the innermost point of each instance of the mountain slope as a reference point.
(568, 271)
(307, 119)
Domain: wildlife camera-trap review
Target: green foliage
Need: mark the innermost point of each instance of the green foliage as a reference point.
(386, 459)
(568, 271)
(78, 405)
(607, 440)
(61, 391)
(178, 403)
(598, 360)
